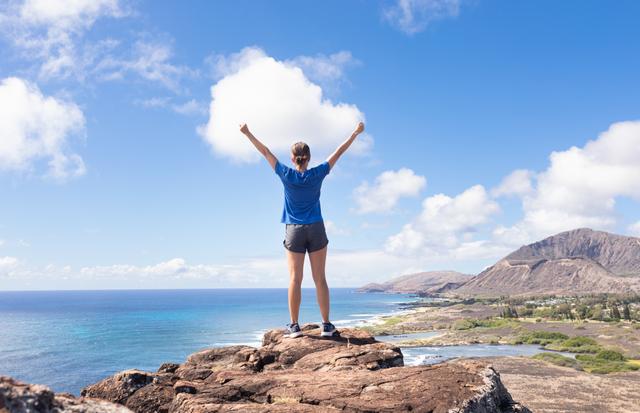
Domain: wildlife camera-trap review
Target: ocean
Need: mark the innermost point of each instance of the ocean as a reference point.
(70, 339)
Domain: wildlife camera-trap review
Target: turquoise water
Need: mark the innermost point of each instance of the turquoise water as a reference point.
(415, 356)
(69, 339)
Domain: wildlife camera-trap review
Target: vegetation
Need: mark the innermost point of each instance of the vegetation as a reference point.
(558, 359)
(469, 323)
(605, 361)
(597, 307)
(541, 337)
(386, 323)
(578, 344)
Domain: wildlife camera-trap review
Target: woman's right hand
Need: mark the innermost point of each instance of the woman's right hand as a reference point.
(359, 129)
(244, 128)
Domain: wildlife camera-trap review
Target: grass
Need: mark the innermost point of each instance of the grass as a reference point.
(470, 323)
(558, 360)
(577, 344)
(541, 337)
(603, 362)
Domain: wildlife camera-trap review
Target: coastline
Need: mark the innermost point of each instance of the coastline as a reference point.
(68, 339)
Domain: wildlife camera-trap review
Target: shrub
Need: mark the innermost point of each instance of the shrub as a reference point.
(579, 341)
(603, 364)
(469, 323)
(577, 344)
(558, 359)
(542, 337)
(610, 355)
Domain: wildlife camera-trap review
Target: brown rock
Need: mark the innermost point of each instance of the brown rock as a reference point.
(353, 372)
(19, 397)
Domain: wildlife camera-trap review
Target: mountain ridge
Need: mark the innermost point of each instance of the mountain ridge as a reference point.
(421, 282)
(580, 261)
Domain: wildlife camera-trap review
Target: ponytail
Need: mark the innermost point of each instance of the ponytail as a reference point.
(301, 153)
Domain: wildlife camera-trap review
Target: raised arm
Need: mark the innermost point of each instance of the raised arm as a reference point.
(345, 145)
(259, 145)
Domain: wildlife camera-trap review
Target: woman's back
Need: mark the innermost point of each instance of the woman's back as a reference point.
(301, 193)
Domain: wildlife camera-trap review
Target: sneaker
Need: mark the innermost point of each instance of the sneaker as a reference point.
(293, 330)
(328, 330)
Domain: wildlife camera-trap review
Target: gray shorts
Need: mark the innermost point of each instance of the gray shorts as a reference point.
(305, 237)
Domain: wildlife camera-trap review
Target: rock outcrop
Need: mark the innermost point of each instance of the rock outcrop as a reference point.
(19, 397)
(425, 283)
(581, 261)
(352, 372)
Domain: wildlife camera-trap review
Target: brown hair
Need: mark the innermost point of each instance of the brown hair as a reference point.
(301, 152)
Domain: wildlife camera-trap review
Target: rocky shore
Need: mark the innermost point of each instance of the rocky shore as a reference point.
(352, 372)
(19, 397)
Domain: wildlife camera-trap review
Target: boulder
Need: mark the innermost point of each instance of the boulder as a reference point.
(351, 372)
(19, 397)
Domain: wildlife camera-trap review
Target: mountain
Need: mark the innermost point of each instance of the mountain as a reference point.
(581, 261)
(422, 282)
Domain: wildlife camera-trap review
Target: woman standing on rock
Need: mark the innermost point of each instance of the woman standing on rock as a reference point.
(304, 229)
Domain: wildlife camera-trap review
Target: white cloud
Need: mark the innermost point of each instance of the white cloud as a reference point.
(344, 269)
(412, 16)
(150, 60)
(51, 31)
(37, 127)
(7, 264)
(321, 68)
(446, 224)
(333, 229)
(517, 183)
(191, 107)
(279, 104)
(387, 190)
(328, 71)
(68, 13)
(154, 102)
(581, 185)
(634, 229)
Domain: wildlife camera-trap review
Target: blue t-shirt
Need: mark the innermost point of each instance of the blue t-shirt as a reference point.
(301, 193)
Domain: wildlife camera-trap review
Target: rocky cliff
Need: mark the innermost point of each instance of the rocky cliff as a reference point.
(581, 261)
(429, 282)
(19, 397)
(353, 372)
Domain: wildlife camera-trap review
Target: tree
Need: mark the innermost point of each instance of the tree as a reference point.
(583, 311)
(626, 312)
(615, 313)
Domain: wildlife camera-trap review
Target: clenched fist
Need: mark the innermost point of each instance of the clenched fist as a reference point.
(359, 128)
(244, 128)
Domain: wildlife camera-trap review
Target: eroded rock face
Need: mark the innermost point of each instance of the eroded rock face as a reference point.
(581, 261)
(353, 372)
(19, 397)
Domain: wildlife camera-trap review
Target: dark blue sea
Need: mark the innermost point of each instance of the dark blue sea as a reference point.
(69, 339)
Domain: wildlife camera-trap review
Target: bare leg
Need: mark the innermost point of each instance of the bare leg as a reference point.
(318, 260)
(296, 265)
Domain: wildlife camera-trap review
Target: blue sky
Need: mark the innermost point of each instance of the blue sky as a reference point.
(115, 171)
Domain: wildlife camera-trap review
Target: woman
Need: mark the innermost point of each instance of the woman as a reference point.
(304, 229)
